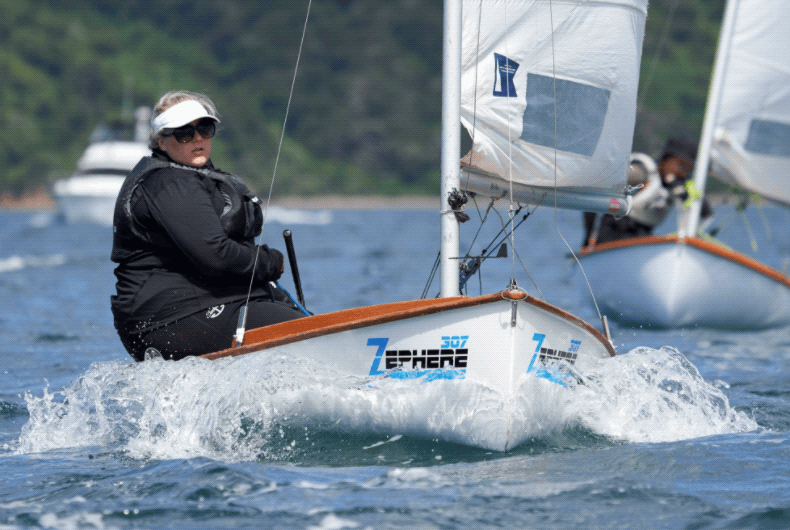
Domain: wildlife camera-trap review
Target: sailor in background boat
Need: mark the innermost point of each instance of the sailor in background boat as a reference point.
(663, 185)
(184, 240)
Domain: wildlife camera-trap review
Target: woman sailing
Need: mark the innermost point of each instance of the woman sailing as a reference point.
(184, 240)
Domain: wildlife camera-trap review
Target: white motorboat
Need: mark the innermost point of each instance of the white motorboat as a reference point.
(89, 194)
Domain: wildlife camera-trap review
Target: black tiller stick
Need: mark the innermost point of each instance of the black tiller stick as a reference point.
(289, 245)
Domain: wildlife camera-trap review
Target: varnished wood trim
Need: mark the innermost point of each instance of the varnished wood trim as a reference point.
(697, 242)
(628, 242)
(328, 323)
(574, 319)
(359, 317)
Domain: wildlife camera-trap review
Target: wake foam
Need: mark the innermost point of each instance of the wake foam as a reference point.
(236, 409)
(652, 395)
(15, 263)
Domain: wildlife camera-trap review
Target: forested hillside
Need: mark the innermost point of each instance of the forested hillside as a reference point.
(366, 107)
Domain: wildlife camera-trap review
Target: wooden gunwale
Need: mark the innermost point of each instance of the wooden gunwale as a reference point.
(361, 317)
(697, 242)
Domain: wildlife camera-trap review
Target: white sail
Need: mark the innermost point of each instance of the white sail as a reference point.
(533, 67)
(751, 143)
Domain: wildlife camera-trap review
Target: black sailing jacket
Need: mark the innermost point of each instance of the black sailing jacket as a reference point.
(178, 260)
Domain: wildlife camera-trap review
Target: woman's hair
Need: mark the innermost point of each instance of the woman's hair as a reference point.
(170, 99)
(680, 147)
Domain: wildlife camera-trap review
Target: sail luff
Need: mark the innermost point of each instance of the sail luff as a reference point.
(711, 113)
(451, 145)
(751, 137)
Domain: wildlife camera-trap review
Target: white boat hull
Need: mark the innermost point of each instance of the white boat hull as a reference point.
(672, 283)
(89, 194)
(481, 340)
(88, 198)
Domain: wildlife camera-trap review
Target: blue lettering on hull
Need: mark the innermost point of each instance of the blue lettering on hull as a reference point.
(446, 362)
(544, 355)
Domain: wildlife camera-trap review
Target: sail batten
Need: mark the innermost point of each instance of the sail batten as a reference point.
(549, 92)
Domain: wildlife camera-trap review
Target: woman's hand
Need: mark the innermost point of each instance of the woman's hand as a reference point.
(271, 264)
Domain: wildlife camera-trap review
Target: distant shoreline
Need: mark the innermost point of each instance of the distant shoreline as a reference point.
(37, 200)
(357, 202)
(42, 201)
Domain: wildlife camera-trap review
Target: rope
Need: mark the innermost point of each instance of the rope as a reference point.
(243, 321)
(556, 224)
(456, 200)
(511, 210)
(287, 110)
(516, 255)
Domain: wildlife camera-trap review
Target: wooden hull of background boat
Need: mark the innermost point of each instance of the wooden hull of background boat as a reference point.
(481, 339)
(667, 282)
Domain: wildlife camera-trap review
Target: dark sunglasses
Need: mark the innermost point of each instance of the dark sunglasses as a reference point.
(205, 128)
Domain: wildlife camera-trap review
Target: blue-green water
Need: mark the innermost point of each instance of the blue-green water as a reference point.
(684, 429)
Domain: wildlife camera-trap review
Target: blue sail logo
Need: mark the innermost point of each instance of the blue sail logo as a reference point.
(505, 71)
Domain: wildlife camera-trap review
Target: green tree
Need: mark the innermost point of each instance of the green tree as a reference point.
(365, 116)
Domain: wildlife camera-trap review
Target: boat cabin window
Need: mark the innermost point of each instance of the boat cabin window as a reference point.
(768, 138)
(581, 111)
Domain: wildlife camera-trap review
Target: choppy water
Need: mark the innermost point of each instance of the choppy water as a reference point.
(685, 428)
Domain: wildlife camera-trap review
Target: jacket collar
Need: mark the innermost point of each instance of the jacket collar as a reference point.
(162, 155)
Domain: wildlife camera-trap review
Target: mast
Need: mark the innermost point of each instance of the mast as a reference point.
(451, 144)
(711, 114)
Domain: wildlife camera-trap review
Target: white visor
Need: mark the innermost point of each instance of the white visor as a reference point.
(180, 114)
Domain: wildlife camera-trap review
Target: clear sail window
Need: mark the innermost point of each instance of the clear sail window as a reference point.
(768, 138)
(581, 111)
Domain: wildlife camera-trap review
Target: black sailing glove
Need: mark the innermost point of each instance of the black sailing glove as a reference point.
(271, 263)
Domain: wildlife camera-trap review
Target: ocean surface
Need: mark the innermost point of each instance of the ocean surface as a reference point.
(683, 429)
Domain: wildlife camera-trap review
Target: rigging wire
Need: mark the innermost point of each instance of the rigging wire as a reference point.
(524, 268)
(467, 272)
(243, 314)
(510, 156)
(287, 109)
(556, 223)
(512, 210)
(483, 217)
(482, 220)
(474, 98)
(513, 247)
(432, 275)
(504, 226)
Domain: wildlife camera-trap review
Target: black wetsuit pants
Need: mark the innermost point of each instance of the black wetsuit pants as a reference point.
(208, 331)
